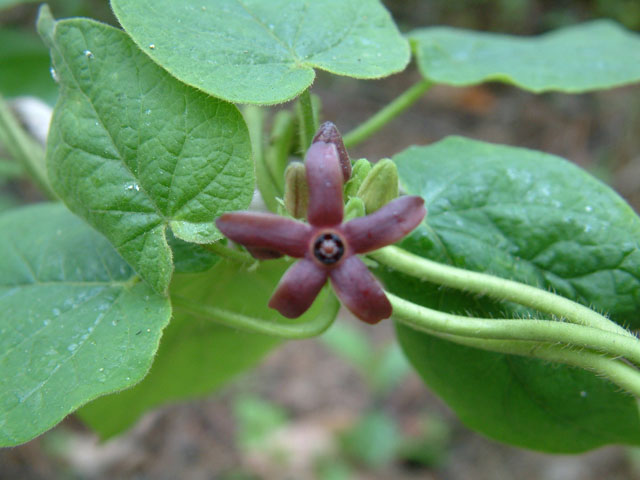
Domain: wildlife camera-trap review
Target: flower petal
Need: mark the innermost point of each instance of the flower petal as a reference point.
(298, 288)
(266, 231)
(359, 290)
(385, 226)
(325, 180)
(328, 133)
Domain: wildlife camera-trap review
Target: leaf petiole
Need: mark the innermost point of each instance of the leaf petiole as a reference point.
(388, 113)
(309, 329)
(617, 371)
(307, 119)
(546, 331)
(495, 287)
(550, 340)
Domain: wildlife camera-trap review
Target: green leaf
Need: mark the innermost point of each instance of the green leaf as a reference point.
(252, 51)
(197, 355)
(524, 402)
(75, 323)
(535, 218)
(190, 257)
(24, 63)
(133, 150)
(590, 56)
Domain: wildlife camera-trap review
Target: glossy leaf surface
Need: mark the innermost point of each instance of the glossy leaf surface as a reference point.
(536, 218)
(133, 151)
(197, 355)
(75, 321)
(252, 51)
(591, 56)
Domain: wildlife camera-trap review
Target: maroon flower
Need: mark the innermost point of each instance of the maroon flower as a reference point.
(326, 246)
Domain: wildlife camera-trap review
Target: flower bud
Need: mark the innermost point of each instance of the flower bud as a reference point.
(296, 190)
(380, 186)
(354, 208)
(328, 133)
(360, 171)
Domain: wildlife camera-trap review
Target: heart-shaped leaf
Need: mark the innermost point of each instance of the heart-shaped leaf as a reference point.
(252, 51)
(590, 56)
(197, 355)
(132, 150)
(75, 321)
(536, 218)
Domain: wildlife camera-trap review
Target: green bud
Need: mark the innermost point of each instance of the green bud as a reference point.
(354, 208)
(360, 171)
(380, 186)
(296, 190)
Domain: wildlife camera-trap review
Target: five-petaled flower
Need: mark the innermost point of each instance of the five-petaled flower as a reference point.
(327, 248)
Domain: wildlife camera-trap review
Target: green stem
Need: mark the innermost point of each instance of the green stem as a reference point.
(309, 329)
(495, 287)
(388, 113)
(618, 372)
(254, 117)
(434, 321)
(283, 133)
(229, 253)
(307, 119)
(24, 149)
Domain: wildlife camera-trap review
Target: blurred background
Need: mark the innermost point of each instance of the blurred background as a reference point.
(347, 405)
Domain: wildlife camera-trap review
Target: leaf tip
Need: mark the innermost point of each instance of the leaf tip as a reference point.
(45, 24)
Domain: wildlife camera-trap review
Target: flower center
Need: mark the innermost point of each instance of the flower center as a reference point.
(328, 248)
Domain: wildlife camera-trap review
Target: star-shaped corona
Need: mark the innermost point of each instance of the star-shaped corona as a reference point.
(327, 247)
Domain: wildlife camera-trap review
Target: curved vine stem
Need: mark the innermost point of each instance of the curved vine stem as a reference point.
(495, 287)
(312, 328)
(618, 372)
(388, 113)
(546, 331)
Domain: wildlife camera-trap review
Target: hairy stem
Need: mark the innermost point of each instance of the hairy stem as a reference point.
(309, 329)
(388, 113)
(24, 149)
(495, 287)
(434, 321)
(254, 117)
(307, 119)
(618, 372)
